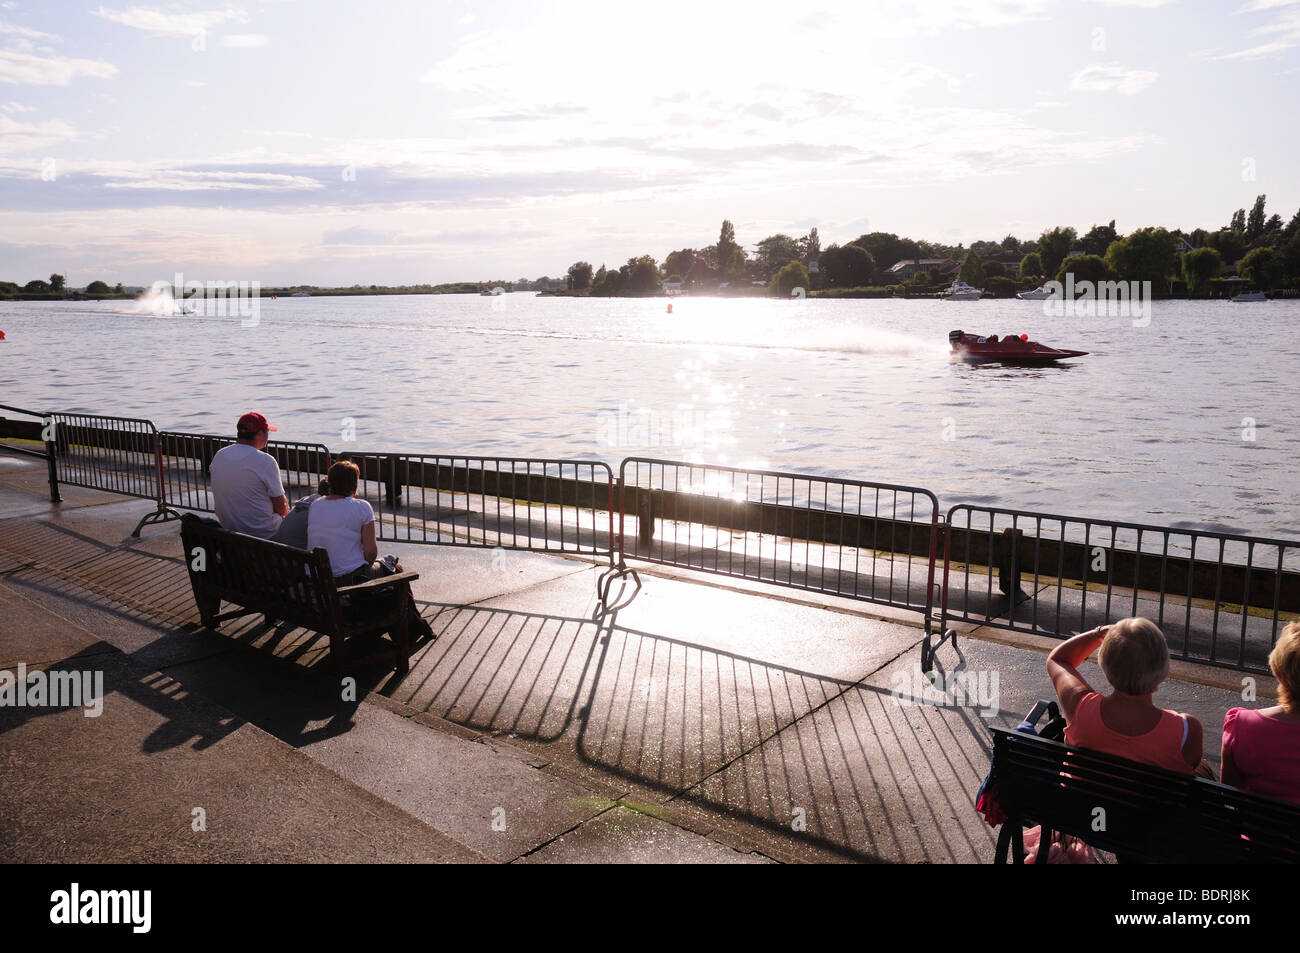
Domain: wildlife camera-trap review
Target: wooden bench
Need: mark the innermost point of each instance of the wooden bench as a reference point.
(294, 586)
(1138, 812)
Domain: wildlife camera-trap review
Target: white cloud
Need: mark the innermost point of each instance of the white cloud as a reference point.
(195, 83)
(12, 29)
(22, 137)
(13, 107)
(1112, 78)
(1286, 29)
(185, 180)
(24, 68)
(158, 22)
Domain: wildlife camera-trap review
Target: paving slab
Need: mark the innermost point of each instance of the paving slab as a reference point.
(490, 800)
(125, 786)
(624, 836)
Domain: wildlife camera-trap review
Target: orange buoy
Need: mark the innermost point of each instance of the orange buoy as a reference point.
(670, 307)
(1024, 337)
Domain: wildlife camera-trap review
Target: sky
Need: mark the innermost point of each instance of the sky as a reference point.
(332, 142)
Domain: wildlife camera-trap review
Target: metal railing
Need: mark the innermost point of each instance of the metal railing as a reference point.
(1220, 598)
(538, 504)
(186, 458)
(17, 436)
(114, 454)
(874, 542)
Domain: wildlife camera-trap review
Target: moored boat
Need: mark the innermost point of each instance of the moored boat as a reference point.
(960, 291)
(1038, 294)
(1010, 349)
(1250, 296)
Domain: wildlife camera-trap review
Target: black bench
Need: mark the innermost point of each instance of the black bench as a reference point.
(291, 585)
(1150, 815)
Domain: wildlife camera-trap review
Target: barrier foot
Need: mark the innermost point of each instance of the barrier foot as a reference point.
(606, 581)
(928, 651)
(164, 514)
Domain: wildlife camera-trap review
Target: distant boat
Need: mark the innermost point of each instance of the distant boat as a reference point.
(300, 294)
(1038, 294)
(492, 293)
(1251, 296)
(960, 291)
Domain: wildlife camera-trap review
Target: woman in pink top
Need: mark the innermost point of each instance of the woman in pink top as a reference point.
(1134, 658)
(1261, 749)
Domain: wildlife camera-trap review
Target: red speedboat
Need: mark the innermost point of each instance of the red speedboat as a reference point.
(1010, 349)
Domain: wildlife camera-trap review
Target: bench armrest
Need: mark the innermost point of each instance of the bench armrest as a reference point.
(379, 583)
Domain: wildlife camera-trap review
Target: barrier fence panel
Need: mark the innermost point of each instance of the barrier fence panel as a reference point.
(874, 542)
(546, 505)
(31, 438)
(186, 458)
(1220, 598)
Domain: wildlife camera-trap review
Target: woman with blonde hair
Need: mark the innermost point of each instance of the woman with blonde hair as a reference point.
(1134, 657)
(1261, 748)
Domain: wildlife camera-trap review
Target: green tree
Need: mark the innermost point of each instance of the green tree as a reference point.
(679, 262)
(117, 289)
(773, 252)
(972, 269)
(1054, 245)
(97, 288)
(1292, 227)
(1231, 244)
(579, 275)
(731, 257)
(887, 249)
(1099, 238)
(1149, 254)
(1031, 266)
(640, 276)
(812, 245)
(1260, 267)
(1288, 257)
(1084, 268)
(847, 266)
(1238, 222)
(994, 269)
(1200, 265)
(1011, 243)
(792, 276)
(36, 286)
(1255, 220)
(56, 282)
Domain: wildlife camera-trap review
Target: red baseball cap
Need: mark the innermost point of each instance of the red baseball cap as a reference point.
(253, 423)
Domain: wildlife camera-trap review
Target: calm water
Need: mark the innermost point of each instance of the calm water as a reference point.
(1149, 426)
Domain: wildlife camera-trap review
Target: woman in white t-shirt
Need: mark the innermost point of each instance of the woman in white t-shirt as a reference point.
(343, 525)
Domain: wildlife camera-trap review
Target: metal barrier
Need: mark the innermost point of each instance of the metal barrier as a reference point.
(841, 537)
(537, 504)
(1220, 598)
(186, 458)
(16, 434)
(544, 505)
(114, 454)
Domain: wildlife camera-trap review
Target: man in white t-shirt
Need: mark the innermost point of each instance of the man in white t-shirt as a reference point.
(246, 489)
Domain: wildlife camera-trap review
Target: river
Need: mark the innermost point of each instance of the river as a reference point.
(1188, 421)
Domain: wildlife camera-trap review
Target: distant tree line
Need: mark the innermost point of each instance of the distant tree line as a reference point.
(1262, 250)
